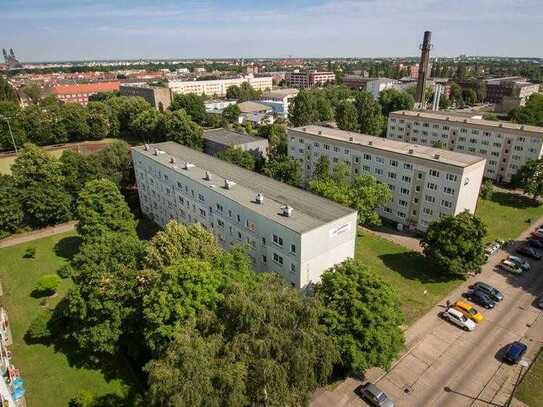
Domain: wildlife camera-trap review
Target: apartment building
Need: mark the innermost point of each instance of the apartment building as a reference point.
(279, 100)
(506, 146)
(426, 183)
(286, 230)
(299, 79)
(158, 97)
(80, 92)
(218, 87)
(373, 85)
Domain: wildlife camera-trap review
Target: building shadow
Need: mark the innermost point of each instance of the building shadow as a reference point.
(486, 402)
(514, 200)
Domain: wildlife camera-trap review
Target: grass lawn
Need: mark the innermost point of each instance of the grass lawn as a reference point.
(530, 390)
(506, 214)
(51, 377)
(418, 286)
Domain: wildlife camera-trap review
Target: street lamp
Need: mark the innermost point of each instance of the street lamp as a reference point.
(10, 132)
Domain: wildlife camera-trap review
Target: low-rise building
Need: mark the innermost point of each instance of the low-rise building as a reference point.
(373, 85)
(80, 92)
(218, 87)
(158, 97)
(286, 230)
(426, 183)
(279, 100)
(506, 146)
(217, 140)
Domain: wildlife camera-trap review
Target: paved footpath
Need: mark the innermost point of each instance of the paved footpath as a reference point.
(37, 234)
(445, 366)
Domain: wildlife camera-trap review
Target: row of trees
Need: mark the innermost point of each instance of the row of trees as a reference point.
(42, 190)
(202, 326)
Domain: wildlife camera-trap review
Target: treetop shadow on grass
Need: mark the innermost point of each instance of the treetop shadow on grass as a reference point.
(414, 266)
(68, 247)
(514, 200)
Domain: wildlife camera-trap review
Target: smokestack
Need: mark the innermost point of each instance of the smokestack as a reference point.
(424, 73)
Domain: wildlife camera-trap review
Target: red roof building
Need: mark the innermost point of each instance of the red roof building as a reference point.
(80, 92)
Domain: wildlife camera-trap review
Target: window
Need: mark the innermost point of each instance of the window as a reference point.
(448, 190)
(239, 235)
(278, 259)
(452, 177)
(404, 191)
(263, 241)
(278, 240)
(392, 175)
(238, 218)
(367, 157)
(401, 202)
(405, 178)
(292, 268)
(220, 223)
(427, 211)
(431, 186)
(293, 248)
(220, 207)
(201, 198)
(380, 160)
(379, 171)
(202, 213)
(446, 204)
(429, 198)
(407, 166)
(394, 163)
(434, 173)
(264, 259)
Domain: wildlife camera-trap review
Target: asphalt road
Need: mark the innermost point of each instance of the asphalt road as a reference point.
(447, 366)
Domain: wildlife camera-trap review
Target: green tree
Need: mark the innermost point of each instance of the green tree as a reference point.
(101, 208)
(239, 157)
(487, 189)
(363, 314)
(192, 104)
(324, 109)
(34, 166)
(183, 130)
(456, 94)
(115, 164)
(47, 284)
(233, 92)
(44, 125)
(11, 113)
(347, 116)
(370, 119)
(76, 171)
(32, 91)
(46, 204)
(531, 113)
(469, 96)
(277, 139)
(322, 169)
(11, 210)
(302, 109)
(7, 93)
(529, 178)
(99, 121)
(284, 169)
(392, 100)
(455, 244)
(75, 119)
(231, 113)
(123, 110)
(150, 126)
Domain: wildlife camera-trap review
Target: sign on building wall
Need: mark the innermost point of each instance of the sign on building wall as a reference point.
(341, 229)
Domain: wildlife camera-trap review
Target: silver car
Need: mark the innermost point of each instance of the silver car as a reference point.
(374, 395)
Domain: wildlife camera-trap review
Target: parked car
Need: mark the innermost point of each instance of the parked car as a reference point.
(510, 267)
(529, 251)
(374, 395)
(457, 317)
(468, 310)
(515, 351)
(480, 297)
(492, 292)
(536, 244)
(492, 248)
(520, 262)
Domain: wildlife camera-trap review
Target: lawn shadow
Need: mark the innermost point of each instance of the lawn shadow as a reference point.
(414, 266)
(514, 200)
(68, 247)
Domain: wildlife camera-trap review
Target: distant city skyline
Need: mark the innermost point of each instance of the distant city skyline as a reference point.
(59, 30)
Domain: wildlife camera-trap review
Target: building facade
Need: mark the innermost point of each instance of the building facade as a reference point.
(80, 92)
(158, 97)
(279, 100)
(218, 87)
(286, 230)
(426, 183)
(302, 80)
(505, 146)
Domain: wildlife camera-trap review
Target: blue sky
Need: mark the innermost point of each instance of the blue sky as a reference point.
(43, 30)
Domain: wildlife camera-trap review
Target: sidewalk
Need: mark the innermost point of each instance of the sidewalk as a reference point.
(37, 234)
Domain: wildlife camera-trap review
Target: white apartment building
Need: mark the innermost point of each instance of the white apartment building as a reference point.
(506, 146)
(299, 79)
(218, 87)
(426, 183)
(286, 230)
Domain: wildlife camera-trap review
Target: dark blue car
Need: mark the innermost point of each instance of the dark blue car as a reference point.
(515, 351)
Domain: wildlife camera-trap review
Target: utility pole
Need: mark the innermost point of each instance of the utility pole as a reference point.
(10, 133)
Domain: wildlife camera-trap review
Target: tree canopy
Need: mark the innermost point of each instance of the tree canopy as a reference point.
(370, 119)
(239, 157)
(392, 100)
(529, 178)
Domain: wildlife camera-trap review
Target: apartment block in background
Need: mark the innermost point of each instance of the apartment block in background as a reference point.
(506, 146)
(286, 230)
(426, 183)
(80, 92)
(158, 97)
(218, 87)
(299, 79)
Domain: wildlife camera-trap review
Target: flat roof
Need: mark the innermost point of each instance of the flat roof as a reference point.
(385, 144)
(282, 92)
(455, 118)
(309, 211)
(229, 137)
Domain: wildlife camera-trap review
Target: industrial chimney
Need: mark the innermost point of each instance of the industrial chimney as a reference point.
(424, 73)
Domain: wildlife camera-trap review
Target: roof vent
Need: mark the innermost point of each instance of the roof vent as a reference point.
(304, 128)
(172, 160)
(411, 151)
(287, 211)
(436, 156)
(155, 151)
(228, 184)
(370, 143)
(403, 113)
(320, 132)
(500, 125)
(146, 147)
(260, 198)
(522, 127)
(208, 176)
(188, 165)
(351, 139)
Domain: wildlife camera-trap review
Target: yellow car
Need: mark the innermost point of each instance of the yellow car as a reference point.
(468, 310)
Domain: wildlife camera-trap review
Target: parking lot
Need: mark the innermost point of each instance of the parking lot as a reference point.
(446, 366)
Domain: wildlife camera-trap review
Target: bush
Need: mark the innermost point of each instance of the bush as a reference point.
(30, 253)
(65, 271)
(487, 189)
(83, 399)
(47, 284)
(39, 327)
